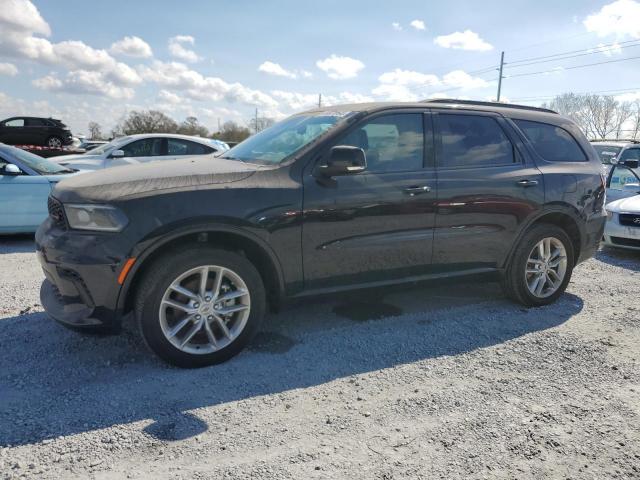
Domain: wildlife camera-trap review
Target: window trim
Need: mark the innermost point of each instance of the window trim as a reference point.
(368, 118)
(518, 157)
(530, 144)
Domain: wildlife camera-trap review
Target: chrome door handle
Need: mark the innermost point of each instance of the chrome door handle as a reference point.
(527, 183)
(412, 191)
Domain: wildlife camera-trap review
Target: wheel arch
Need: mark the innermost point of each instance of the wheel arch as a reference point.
(223, 236)
(564, 217)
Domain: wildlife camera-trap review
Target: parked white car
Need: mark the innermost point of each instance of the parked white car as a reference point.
(615, 151)
(623, 206)
(134, 149)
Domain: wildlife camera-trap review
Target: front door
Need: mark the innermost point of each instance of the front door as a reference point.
(486, 189)
(376, 225)
(23, 201)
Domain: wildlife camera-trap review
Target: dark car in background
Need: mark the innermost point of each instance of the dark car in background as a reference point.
(327, 200)
(48, 132)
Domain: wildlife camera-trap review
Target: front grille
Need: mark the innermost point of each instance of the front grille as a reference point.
(56, 212)
(625, 242)
(630, 219)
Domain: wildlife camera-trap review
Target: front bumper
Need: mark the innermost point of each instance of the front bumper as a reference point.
(81, 287)
(621, 236)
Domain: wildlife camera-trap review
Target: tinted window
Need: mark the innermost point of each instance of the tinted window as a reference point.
(552, 143)
(473, 140)
(148, 147)
(606, 153)
(630, 154)
(391, 143)
(16, 122)
(36, 122)
(176, 146)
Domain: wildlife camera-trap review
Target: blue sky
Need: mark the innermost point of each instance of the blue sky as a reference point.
(222, 59)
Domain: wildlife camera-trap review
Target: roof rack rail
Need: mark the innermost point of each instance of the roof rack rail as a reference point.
(621, 140)
(488, 104)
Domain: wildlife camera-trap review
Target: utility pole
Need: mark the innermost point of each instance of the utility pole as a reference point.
(319, 100)
(500, 77)
(256, 119)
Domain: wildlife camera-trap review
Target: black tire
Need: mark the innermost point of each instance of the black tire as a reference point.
(53, 139)
(165, 270)
(513, 279)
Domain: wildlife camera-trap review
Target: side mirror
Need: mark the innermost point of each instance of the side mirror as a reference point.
(117, 154)
(344, 160)
(11, 169)
(629, 163)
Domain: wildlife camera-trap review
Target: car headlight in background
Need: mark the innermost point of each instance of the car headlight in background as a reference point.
(103, 218)
(609, 214)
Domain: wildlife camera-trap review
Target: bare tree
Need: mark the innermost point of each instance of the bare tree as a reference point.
(191, 126)
(232, 132)
(151, 121)
(95, 131)
(262, 123)
(634, 120)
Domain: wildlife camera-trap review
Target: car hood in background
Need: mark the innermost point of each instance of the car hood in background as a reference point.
(191, 173)
(75, 156)
(629, 204)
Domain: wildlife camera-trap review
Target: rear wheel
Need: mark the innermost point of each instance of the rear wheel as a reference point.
(54, 142)
(540, 267)
(200, 307)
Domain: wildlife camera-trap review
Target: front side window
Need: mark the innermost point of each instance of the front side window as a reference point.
(620, 176)
(176, 146)
(392, 143)
(552, 143)
(16, 122)
(149, 147)
(473, 141)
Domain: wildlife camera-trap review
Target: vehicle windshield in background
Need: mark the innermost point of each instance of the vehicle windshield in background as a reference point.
(607, 153)
(275, 144)
(107, 146)
(39, 164)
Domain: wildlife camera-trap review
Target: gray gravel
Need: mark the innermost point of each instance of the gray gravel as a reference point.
(434, 381)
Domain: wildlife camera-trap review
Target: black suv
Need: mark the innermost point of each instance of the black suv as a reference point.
(34, 131)
(327, 200)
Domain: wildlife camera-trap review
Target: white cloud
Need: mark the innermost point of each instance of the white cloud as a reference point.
(607, 50)
(8, 69)
(178, 76)
(396, 26)
(340, 68)
(467, 40)
(408, 85)
(169, 97)
(178, 49)
(22, 16)
(272, 68)
(418, 25)
(306, 74)
(83, 82)
(302, 101)
(132, 47)
(620, 18)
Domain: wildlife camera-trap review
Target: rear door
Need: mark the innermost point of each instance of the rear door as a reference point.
(139, 151)
(487, 187)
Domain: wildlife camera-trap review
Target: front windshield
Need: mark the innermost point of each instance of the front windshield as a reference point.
(275, 144)
(107, 146)
(39, 164)
(607, 153)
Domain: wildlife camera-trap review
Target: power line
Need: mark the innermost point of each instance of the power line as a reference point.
(531, 99)
(570, 68)
(590, 49)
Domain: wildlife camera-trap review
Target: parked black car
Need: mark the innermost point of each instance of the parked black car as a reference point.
(34, 131)
(326, 200)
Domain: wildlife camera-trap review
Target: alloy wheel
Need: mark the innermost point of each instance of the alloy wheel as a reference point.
(54, 142)
(205, 309)
(546, 267)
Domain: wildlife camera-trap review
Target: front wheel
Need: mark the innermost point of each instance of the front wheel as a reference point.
(541, 266)
(200, 307)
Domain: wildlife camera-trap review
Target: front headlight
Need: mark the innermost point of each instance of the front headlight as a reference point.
(609, 214)
(103, 218)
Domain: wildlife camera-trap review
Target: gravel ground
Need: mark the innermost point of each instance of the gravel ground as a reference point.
(433, 381)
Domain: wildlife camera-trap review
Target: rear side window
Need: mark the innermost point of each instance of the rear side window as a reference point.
(36, 122)
(473, 141)
(176, 146)
(552, 143)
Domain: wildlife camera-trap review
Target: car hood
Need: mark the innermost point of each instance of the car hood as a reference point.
(629, 204)
(191, 173)
(75, 156)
